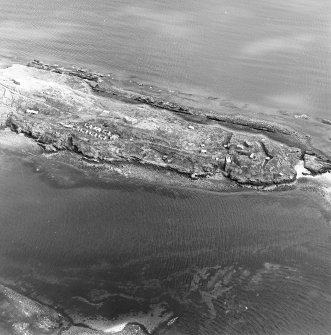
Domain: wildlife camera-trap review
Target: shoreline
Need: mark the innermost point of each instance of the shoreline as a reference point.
(90, 326)
(146, 137)
(100, 175)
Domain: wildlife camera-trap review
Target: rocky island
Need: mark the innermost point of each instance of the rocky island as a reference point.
(81, 116)
(81, 111)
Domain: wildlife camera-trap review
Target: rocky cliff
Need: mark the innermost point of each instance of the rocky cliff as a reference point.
(81, 111)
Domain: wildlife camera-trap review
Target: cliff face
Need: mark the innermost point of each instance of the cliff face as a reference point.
(76, 110)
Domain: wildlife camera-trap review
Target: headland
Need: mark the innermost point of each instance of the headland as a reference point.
(146, 137)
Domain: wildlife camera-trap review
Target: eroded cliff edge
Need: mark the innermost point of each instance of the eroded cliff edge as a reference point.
(83, 112)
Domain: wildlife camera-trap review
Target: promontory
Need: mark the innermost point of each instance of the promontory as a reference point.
(142, 134)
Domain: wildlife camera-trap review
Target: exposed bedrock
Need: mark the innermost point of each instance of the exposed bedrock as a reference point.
(24, 316)
(76, 110)
(21, 315)
(130, 329)
(317, 163)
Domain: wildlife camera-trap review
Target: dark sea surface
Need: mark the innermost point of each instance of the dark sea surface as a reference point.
(271, 53)
(115, 252)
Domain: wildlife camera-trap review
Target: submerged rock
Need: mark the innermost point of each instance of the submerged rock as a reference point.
(326, 121)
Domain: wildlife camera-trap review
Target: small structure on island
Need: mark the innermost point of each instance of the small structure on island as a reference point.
(32, 112)
(194, 176)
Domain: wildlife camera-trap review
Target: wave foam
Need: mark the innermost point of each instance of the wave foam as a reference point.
(323, 180)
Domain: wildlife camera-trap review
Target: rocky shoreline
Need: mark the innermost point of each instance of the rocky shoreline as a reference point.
(22, 315)
(82, 115)
(83, 112)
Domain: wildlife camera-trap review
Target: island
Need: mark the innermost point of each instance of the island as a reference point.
(81, 116)
(140, 135)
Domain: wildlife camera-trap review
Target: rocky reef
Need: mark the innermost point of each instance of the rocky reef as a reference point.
(83, 112)
(21, 315)
(24, 316)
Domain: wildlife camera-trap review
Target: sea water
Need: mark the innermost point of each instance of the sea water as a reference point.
(118, 252)
(272, 53)
(121, 251)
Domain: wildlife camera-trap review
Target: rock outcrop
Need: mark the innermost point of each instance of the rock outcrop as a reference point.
(24, 316)
(130, 329)
(81, 111)
(317, 164)
(21, 315)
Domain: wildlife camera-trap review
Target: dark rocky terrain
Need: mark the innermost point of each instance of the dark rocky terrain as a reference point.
(21, 315)
(83, 112)
(140, 135)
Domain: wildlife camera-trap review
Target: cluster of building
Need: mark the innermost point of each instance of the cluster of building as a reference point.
(95, 131)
